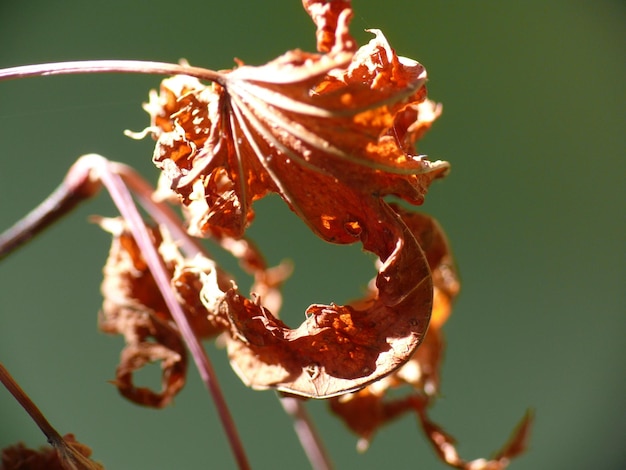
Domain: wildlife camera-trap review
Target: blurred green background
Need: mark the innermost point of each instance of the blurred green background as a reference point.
(533, 125)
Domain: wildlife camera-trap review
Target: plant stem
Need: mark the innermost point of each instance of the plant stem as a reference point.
(309, 438)
(23, 399)
(109, 66)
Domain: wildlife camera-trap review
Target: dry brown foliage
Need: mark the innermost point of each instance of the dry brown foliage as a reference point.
(333, 133)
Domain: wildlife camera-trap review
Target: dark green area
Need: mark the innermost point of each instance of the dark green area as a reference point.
(533, 125)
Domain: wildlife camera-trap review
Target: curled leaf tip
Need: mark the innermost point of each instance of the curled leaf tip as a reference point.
(332, 19)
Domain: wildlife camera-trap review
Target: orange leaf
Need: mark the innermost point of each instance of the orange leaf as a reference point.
(340, 348)
(134, 308)
(332, 19)
(343, 122)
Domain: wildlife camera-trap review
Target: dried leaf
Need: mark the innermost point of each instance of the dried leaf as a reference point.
(344, 122)
(444, 445)
(134, 308)
(421, 371)
(339, 348)
(342, 348)
(19, 457)
(331, 134)
(332, 20)
(364, 412)
(520, 437)
(74, 456)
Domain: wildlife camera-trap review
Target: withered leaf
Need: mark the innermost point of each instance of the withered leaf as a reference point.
(339, 348)
(346, 122)
(332, 134)
(445, 445)
(134, 308)
(74, 456)
(421, 371)
(332, 20)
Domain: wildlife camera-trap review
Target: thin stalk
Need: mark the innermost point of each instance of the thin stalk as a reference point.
(161, 212)
(76, 187)
(29, 406)
(109, 66)
(309, 438)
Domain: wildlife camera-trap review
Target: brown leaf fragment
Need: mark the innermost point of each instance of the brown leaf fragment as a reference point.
(137, 355)
(19, 457)
(332, 18)
(188, 281)
(72, 455)
(134, 308)
(520, 437)
(339, 348)
(365, 411)
(444, 445)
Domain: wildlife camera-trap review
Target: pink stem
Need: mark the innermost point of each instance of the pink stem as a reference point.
(109, 66)
(309, 439)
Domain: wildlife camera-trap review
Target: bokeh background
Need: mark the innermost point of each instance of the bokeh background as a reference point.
(533, 125)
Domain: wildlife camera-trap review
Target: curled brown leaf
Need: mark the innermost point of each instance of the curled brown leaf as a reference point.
(339, 348)
(134, 308)
(331, 134)
(445, 445)
(421, 371)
